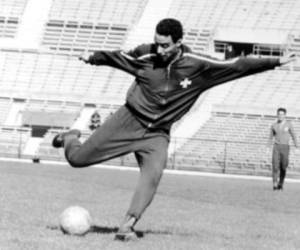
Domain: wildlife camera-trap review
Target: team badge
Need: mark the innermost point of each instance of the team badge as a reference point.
(185, 83)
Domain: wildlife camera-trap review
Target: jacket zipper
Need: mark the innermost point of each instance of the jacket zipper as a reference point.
(169, 71)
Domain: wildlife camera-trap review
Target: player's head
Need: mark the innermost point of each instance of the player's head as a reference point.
(281, 114)
(168, 38)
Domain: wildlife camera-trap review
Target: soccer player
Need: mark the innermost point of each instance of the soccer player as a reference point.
(281, 131)
(169, 78)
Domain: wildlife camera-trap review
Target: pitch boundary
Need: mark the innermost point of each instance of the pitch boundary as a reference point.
(166, 171)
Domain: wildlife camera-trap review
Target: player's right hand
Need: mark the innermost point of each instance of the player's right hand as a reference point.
(85, 56)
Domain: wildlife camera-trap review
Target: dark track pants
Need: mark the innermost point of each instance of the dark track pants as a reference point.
(119, 135)
(280, 161)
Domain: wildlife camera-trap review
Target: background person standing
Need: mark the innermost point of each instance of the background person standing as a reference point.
(280, 134)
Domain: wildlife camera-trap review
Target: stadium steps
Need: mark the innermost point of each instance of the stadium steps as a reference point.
(82, 121)
(32, 146)
(31, 30)
(14, 117)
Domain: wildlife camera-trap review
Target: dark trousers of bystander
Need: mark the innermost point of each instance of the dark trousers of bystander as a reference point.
(280, 162)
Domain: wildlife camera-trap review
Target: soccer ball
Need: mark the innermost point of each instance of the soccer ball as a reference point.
(75, 220)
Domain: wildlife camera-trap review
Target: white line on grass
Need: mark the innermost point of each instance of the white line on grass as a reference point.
(166, 171)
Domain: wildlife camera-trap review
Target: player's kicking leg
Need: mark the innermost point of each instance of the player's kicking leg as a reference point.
(114, 138)
(152, 158)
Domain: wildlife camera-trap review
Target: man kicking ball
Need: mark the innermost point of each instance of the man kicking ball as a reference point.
(169, 78)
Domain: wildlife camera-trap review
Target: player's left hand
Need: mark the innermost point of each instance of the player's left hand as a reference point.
(290, 57)
(85, 56)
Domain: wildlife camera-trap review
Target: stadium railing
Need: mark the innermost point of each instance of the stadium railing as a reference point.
(217, 156)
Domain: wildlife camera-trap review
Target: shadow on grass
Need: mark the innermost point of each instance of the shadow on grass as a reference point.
(113, 230)
(99, 230)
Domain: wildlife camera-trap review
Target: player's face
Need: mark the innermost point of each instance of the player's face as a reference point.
(166, 49)
(281, 116)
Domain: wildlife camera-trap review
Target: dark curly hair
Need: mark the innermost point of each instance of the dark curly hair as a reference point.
(281, 110)
(170, 27)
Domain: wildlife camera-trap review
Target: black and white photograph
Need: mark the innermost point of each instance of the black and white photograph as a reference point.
(146, 124)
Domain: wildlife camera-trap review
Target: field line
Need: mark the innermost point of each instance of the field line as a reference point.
(166, 171)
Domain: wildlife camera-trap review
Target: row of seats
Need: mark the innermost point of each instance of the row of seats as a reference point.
(12, 8)
(269, 89)
(114, 11)
(10, 15)
(233, 141)
(52, 106)
(295, 45)
(198, 39)
(8, 27)
(13, 140)
(28, 72)
(75, 37)
(5, 105)
(249, 14)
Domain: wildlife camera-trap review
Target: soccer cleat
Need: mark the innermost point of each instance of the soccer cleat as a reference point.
(280, 187)
(126, 231)
(58, 140)
(126, 234)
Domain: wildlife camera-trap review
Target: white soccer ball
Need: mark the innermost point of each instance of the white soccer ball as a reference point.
(75, 220)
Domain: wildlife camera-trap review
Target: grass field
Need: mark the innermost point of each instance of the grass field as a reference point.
(189, 212)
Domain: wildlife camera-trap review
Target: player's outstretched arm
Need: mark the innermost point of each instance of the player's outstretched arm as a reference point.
(291, 57)
(116, 59)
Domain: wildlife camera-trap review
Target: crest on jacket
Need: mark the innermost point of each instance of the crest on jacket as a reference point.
(185, 83)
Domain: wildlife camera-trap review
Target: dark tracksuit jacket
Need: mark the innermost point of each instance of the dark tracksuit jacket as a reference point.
(163, 94)
(160, 95)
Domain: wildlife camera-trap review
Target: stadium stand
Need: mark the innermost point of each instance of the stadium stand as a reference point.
(198, 40)
(245, 14)
(75, 26)
(270, 89)
(13, 141)
(60, 77)
(75, 37)
(233, 142)
(117, 11)
(50, 113)
(5, 104)
(10, 15)
(52, 80)
(295, 44)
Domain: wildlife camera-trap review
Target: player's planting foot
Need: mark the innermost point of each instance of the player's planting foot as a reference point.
(126, 234)
(280, 186)
(275, 186)
(126, 231)
(58, 140)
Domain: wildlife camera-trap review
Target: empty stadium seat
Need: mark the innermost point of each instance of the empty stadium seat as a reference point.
(10, 15)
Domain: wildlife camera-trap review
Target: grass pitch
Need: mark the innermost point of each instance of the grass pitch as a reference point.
(188, 212)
